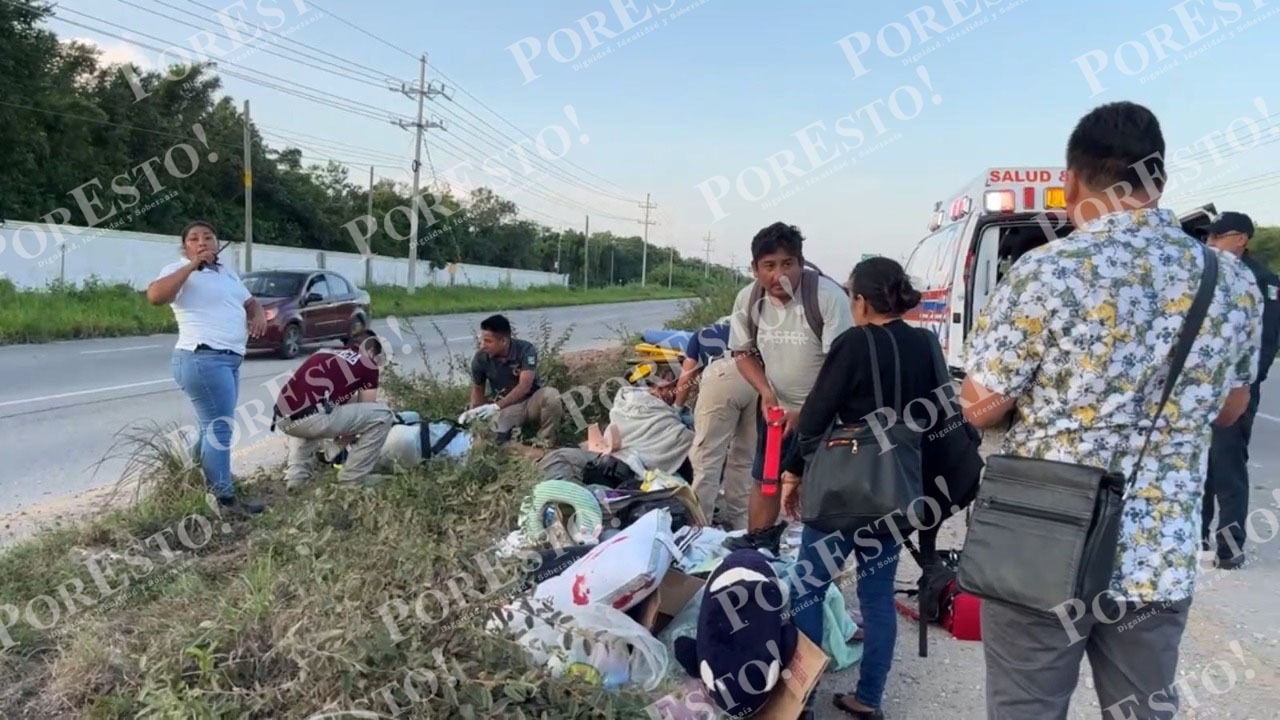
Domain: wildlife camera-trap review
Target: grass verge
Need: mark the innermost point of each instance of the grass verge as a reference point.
(95, 310)
(162, 609)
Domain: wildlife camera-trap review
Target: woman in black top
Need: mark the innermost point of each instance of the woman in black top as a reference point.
(881, 294)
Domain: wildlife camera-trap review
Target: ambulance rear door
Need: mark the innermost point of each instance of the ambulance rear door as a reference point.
(932, 269)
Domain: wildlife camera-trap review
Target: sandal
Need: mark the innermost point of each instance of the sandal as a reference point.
(838, 701)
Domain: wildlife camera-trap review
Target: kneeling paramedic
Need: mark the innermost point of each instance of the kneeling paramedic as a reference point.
(334, 395)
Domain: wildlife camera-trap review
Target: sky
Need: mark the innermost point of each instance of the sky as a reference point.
(882, 108)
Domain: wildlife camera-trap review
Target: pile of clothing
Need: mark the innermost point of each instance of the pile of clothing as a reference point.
(608, 537)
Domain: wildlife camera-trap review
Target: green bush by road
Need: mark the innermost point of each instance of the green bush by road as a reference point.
(97, 310)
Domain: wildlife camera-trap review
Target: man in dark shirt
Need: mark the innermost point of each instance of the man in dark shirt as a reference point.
(1228, 477)
(724, 425)
(509, 367)
(334, 394)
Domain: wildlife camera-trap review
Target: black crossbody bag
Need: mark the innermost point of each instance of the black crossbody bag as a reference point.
(852, 479)
(1045, 532)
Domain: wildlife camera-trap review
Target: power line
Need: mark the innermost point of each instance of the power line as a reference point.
(498, 115)
(335, 101)
(343, 60)
(319, 96)
(310, 60)
(458, 86)
(301, 140)
(357, 28)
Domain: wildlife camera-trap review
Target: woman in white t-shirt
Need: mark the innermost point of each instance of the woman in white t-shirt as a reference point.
(216, 315)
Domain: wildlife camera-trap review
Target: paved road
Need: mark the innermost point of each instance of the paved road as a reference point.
(63, 403)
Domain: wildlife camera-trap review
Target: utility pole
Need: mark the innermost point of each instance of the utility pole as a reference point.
(368, 262)
(706, 267)
(613, 255)
(644, 253)
(248, 191)
(559, 246)
(586, 254)
(671, 263)
(422, 91)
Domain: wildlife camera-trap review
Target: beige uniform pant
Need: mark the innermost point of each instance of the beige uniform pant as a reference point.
(370, 422)
(724, 445)
(543, 407)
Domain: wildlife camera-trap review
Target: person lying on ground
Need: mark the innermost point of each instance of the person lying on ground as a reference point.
(644, 421)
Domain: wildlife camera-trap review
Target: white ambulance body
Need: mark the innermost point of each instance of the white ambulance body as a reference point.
(978, 233)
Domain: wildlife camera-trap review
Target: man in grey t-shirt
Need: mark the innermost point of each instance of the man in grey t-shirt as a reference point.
(509, 367)
(783, 358)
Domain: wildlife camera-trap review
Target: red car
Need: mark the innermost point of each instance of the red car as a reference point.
(305, 307)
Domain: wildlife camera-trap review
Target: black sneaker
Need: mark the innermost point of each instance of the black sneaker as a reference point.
(241, 506)
(1231, 563)
(768, 539)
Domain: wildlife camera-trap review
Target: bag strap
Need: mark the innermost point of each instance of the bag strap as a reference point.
(1186, 338)
(809, 300)
(940, 370)
(753, 311)
(430, 449)
(875, 370)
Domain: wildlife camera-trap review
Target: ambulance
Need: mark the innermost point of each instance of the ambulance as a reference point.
(977, 234)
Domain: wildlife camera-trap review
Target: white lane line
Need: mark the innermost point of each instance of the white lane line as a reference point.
(123, 349)
(59, 396)
(1272, 418)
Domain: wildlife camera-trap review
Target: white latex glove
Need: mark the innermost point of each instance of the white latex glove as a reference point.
(478, 413)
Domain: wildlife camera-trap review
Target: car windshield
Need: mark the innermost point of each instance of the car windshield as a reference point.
(273, 285)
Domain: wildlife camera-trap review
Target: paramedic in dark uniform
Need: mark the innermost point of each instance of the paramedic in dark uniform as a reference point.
(509, 367)
(1228, 478)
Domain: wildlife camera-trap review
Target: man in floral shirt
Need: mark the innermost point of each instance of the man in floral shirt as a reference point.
(1076, 343)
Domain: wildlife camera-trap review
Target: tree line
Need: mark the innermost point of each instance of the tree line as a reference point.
(76, 140)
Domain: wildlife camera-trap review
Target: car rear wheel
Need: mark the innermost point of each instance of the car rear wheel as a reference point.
(291, 345)
(357, 326)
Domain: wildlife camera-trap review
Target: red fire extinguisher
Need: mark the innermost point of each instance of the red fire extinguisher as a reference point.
(773, 449)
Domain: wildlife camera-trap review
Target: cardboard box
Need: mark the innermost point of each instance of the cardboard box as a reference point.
(675, 592)
(799, 678)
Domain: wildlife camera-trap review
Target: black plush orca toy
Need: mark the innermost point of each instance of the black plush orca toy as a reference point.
(745, 637)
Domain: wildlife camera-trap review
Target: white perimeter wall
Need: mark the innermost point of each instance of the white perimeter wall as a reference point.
(33, 255)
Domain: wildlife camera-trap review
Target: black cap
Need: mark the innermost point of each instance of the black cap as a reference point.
(1229, 222)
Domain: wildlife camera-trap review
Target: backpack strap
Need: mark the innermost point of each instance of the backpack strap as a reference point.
(429, 449)
(753, 311)
(809, 298)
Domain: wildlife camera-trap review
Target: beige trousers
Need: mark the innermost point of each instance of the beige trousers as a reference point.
(543, 407)
(369, 422)
(724, 445)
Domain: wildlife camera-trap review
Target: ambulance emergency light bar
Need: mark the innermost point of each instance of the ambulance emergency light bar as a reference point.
(1006, 201)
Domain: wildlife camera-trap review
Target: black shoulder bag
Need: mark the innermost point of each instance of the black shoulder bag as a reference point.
(951, 457)
(859, 474)
(1045, 532)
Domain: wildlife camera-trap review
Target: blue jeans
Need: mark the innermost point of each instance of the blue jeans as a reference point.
(877, 558)
(211, 381)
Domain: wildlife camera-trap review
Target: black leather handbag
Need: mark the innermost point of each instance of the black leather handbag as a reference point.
(1045, 532)
(858, 474)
